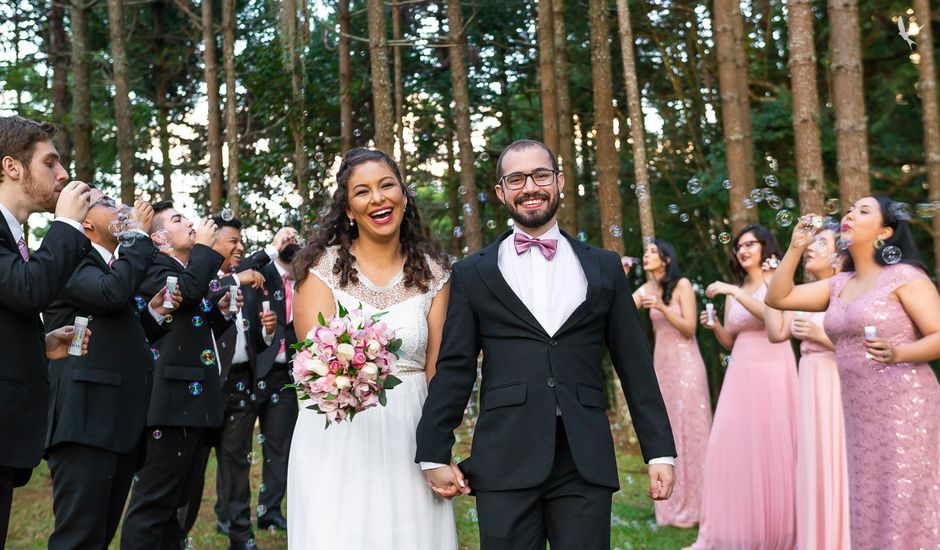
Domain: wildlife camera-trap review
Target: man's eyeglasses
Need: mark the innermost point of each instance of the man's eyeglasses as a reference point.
(107, 202)
(543, 177)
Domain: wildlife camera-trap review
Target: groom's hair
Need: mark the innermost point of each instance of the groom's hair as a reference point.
(519, 145)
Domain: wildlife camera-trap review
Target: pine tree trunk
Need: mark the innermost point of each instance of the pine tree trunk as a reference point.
(453, 198)
(345, 78)
(58, 46)
(295, 67)
(608, 162)
(568, 212)
(214, 141)
(457, 53)
(735, 108)
(399, 92)
(637, 133)
(231, 101)
(161, 88)
(849, 101)
(81, 92)
(122, 102)
(927, 87)
(546, 41)
(809, 166)
(381, 87)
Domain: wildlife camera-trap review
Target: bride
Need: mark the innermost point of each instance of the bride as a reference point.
(356, 485)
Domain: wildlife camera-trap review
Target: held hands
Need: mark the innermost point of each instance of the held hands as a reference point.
(58, 341)
(74, 201)
(881, 350)
(207, 232)
(805, 231)
(226, 301)
(662, 481)
(447, 481)
(703, 319)
(804, 329)
(156, 303)
(651, 302)
(284, 237)
(251, 277)
(143, 215)
(268, 321)
(770, 264)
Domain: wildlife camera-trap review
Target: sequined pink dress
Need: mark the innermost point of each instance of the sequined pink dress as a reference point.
(684, 385)
(822, 487)
(748, 494)
(892, 420)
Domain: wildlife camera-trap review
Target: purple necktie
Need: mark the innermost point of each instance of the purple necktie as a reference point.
(24, 252)
(111, 262)
(548, 247)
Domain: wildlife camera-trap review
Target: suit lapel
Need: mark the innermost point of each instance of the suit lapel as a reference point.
(592, 272)
(6, 235)
(488, 267)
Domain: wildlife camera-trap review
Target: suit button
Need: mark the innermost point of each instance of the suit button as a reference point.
(550, 382)
(553, 342)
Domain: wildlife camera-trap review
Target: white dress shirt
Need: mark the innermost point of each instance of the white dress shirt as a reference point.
(106, 255)
(551, 290)
(241, 336)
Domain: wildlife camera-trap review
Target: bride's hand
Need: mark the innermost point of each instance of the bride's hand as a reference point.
(447, 481)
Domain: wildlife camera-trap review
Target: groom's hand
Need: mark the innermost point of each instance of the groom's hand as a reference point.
(662, 480)
(447, 481)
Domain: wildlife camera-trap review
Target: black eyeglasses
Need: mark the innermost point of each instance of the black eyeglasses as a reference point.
(104, 201)
(543, 177)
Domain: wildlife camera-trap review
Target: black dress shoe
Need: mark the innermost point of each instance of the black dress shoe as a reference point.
(222, 527)
(274, 519)
(249, 545)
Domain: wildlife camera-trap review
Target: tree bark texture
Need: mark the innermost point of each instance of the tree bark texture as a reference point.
(231, 102)
(381, 85)
(214, 141)
(81, 92)
(546, 42)
(58, 46)
(927, 87)
(345, 77)
(568, 213)
(122, 102)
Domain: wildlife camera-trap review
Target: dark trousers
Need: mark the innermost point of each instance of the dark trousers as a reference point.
(565, 510)
(8, 480)
(172, 461)
(89, 489)
(234, 453)
(188, 511)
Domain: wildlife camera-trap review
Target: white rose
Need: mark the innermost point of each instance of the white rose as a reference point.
(346, 351)
(343, 382)
(370, 369)
(374, 347)
(318, 367)
(356, 322)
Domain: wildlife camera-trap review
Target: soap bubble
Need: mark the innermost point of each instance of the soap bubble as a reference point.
(891, 254)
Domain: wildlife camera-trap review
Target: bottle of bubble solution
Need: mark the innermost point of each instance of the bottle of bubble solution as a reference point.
(75, 348)
(710, 312)
(870, 332)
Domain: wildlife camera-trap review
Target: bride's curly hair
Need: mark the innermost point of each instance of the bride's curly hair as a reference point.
(333, 228)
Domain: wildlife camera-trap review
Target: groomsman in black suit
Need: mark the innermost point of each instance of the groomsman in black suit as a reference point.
(186, 402)
(91, 456)
(31, 180)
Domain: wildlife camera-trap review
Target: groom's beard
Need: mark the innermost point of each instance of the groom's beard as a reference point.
(533, 219)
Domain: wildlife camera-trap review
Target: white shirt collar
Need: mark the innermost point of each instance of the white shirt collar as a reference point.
(553, 232)
(280, 270)
(15, 228)
(106, 254)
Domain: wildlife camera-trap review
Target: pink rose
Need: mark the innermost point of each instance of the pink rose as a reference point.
(326, 337)
(334, 366)
(358, 358)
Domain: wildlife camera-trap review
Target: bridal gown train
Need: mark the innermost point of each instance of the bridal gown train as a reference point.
(356, 485)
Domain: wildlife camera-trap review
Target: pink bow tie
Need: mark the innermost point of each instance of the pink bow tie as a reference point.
(548, 247)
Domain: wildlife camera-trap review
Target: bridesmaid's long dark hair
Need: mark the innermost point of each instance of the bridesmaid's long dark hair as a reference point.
(667, 253)
(901, 237)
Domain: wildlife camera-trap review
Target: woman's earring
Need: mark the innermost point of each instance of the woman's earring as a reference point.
(352, 222)
(879, 244)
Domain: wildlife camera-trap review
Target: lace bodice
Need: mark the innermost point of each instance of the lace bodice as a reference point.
(407, 307)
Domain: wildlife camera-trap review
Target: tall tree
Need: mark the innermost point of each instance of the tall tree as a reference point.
(58, 49)
(345, 77)
(735, 107)
(214, 141)
(608, 161)
(381, 87)
(809, 165)
(927, 88)
(399, 88)
(568, 213)
(161, 89)
(849, 100)
(81, 92)
(637, 133)
(231, 101)
(457, 53)
(549, 99)
(295, 68)
(122, 101)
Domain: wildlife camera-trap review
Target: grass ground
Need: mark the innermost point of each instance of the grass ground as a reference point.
(632, 521)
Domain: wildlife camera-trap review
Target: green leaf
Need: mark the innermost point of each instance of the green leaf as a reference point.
(382, 399)
(379, 315)
(394, 345)
(330, 396)
(322, 320)
(341, 310)
(391, 381)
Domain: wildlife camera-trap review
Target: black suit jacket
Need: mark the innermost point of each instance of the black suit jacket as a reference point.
(251, 310)
(101, 399)
(528, 373)
(273, 284)
(180, 362)
(28, 288)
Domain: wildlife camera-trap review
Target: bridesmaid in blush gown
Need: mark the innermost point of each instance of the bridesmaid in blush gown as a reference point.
(682, 379)
(748, 494)
(822, 488)
(890, 396)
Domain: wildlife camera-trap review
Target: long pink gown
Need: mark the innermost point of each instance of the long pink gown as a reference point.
(822, 487)
(892, 420)
(684, 385)
(750, 469)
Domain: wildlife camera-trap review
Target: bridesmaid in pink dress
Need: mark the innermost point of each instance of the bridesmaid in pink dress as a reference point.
(822, 489)
(890, 396)
(682, 379)
(748, 494)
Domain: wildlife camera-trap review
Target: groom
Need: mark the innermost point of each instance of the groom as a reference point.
(542, 307)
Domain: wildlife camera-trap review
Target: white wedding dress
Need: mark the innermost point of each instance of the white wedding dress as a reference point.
(355, 486)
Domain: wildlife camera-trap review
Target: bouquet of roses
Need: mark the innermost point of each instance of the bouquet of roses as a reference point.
(346, 364)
